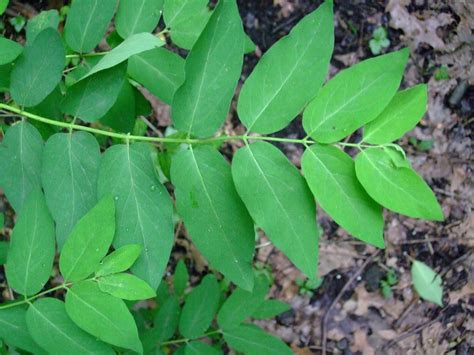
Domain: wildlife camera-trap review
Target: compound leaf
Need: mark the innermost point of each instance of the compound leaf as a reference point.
(120, 260)
(212, 71)
(21, 149)
(400, 116)
(104, 316)
(279, 201)
(331, 176)
(427, 282)
(56, 333)
(69, 175)
(137, 16)
(14, 331)
(31, 252)
(39, 69)
(45, 19)
(289, 75)
(87, 22)
(88, 242)
(126, 286)
(354, 97)
(143, 207)
(270, 308)
(200, 308)
(399, 189)
(9, 50)
(204, 187)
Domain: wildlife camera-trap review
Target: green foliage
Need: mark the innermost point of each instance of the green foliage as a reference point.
(307, 287)
(379, 41)
(99, 195)
(3, 6)
(441, 73)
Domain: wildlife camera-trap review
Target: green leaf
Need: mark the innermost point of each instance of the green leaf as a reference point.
(3, 252)
(270, 308)
(166, 320)
(87, 22)
(200, 308)
(212, 70)
(159, 70)
(200, 348)
(104, 316)
(120, 260)
(88, 242)
(186, 20)
(50, 107)
(31, 253)
(135, 44)
(180, 278)
(9, 50)
(289, 75)
(331, 176)
(21, 149)
(143, 207)
(226, 235)
(69, 175)
(45, 19)
(122, 116)
(39, 69)
(3, 6)
(5, 71)
(14, 331)
(137, 16)
(126, 286)
(242, 304)
(354, 97)
(92, 98)
(252, 340)
(427, 282)
(55, 332)
(279, 201)
(399, 189)
(400, 116)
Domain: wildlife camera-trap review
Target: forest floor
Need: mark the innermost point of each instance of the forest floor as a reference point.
(349, 308)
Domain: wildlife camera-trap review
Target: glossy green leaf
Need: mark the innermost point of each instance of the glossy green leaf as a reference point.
(354, 97)
(87, 22)
(331, 176)
(104, 316)
(91, 98)
(159, 70)
(251, 340)
(166, 320)
(21, 149)
(3, 252)
(45, 19)
(270, 308)
(120, 260)
(55, 332)
(14, 331)
(289, 75)
(200, 348)
(180, 278)
(32, 247)
(88, 242)
(226, 237)
(143, 207)
(400, 116)
(126, 286)
(399, 189)
(135, 44)
(242, 304)
(39, 69)
(9, 50)
(122, 115)
(427, 282)
(213, 67)
(137, 16)
(69, 175)
(200, 308)
(186, 20)
(279, 201)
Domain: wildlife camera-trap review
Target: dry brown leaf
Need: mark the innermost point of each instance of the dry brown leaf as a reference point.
(366, 300)
(361, 344)
(335, 257)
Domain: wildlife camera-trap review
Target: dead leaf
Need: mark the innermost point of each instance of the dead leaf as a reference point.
(361, 344)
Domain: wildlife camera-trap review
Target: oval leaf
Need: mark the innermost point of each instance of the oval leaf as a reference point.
(427, 282)
(289, 75)
(120, 260)
(88, 242)
(331, 176)
(226, 235)
(126, 286)
(122, 115)
(137, 16)
(213, 67)
(279, 201)
(399, 189)
(45, 19)
(200, 348)
(270, 308)
(69, 174)
(354, 97)
(167, 319)
(143, 207)
(180, 278)
(14, 331)
(9, 50)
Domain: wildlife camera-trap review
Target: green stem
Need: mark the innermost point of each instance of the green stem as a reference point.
(86, 55)
(186, 340)
(29, 299)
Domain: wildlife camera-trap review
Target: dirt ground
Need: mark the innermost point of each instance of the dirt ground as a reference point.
(348, 314)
